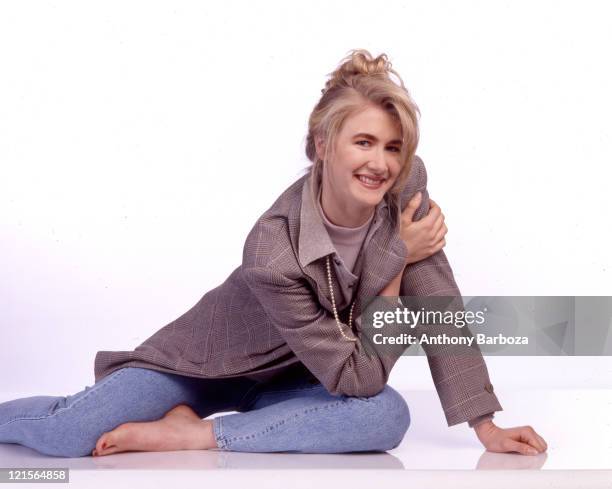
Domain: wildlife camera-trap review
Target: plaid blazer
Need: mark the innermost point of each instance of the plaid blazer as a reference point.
(275, 310)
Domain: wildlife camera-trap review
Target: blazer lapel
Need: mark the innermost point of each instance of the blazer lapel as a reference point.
(378, 263)
(306, 236)
(316, 274)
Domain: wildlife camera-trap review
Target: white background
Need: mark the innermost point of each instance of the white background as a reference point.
(139, 143)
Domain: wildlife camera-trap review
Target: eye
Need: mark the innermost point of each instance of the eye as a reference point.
(394, 148)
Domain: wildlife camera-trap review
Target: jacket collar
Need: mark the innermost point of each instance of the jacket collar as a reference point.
(383, 258)
(314, 240)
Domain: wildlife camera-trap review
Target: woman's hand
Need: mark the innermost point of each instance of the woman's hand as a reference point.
(425, 237)
(522, 439)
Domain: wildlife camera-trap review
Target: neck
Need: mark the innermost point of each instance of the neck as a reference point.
(341, 214)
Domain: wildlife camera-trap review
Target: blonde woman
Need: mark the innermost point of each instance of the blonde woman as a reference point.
(280, 341)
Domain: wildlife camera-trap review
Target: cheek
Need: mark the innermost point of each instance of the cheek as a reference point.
(351, 158)
(396, 168)
(347, 167)
(394, 175)
(340, 174)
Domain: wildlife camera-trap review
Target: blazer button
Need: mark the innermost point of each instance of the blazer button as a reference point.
(489, 388)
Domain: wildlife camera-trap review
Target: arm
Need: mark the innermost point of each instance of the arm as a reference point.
(343, 366)
(393, 288)
(450, 366)
(474, 401)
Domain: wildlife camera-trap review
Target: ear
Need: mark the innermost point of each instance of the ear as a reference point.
(320, 147)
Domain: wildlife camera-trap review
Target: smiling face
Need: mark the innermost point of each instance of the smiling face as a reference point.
(365, 166)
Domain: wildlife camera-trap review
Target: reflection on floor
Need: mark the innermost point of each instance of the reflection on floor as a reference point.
(575, 423)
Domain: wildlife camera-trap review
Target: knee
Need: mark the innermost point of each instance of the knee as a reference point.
(392, 416)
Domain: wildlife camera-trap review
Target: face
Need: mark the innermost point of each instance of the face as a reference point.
(364, 167)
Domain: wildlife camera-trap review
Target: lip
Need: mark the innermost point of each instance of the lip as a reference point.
(368, 186)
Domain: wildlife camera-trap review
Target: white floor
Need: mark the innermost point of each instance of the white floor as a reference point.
(576, 424)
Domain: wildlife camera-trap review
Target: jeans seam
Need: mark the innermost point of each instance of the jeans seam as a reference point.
(286, 391)
(115, 375)
(228, 441)
(218, 433)
(270, 392)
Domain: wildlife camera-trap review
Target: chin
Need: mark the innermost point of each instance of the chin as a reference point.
(369, 196)
(368, 200)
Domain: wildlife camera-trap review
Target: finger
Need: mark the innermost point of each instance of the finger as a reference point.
(412, 206)
(528, 434)
(430, 218)
(438, 224)
(511, 445)
(441, 233)
(432, 215)
(532, 436)
(434, 231)
(543, 441)
(435, 248)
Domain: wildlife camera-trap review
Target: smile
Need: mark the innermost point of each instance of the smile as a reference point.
(370, 183)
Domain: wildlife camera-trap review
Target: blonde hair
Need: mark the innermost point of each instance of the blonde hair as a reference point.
(359, 80)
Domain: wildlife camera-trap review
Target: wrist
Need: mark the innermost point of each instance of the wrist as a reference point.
(483, 427)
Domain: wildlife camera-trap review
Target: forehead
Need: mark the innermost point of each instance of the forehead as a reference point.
(372, 120)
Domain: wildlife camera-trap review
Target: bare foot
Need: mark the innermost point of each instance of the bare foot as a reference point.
(180, 429)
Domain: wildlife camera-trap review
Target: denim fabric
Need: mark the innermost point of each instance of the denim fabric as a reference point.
(297, 415)
(287, 414)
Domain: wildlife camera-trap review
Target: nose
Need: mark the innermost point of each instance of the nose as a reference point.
(378, 163)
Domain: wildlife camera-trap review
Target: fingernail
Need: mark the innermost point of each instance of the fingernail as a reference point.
(532, 451)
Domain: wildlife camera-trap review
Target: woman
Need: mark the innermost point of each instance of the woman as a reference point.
(280, 341)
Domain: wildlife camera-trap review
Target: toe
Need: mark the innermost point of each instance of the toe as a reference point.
(98, 447)
(111, 449)
(106, 440)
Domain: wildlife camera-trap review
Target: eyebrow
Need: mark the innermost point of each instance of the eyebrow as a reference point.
(374, 138)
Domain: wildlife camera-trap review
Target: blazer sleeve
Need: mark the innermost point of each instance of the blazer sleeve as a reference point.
(461, 379)
(342, 366)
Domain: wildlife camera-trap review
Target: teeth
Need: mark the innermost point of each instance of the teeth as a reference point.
(369, 181)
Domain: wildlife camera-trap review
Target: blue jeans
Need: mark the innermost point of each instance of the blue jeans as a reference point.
(290, 413)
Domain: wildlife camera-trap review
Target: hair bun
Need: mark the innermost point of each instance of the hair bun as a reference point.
(359, 62)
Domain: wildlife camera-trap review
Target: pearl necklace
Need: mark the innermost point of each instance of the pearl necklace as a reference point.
(333, 300)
